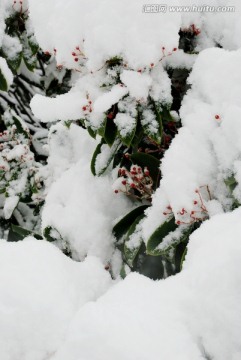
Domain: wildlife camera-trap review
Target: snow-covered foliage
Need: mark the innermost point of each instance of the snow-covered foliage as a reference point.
(119, 138)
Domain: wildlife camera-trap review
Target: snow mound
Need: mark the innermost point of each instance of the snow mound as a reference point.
(80, 206)
(192, 316)
(40, 291)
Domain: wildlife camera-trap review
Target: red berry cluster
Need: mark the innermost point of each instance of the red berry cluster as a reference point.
(135, 182)
(77, 54)
(199, 213)
(88, 107)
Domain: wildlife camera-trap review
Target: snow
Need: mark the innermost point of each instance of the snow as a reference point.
(125, 124)
(75, 311)
(104, 102)
(138, 84)
(40, 291)
(6, 72)
(108, 37)
(9, 206)
(74, 193)
(63, 107)
(206, 150)
(183, 317)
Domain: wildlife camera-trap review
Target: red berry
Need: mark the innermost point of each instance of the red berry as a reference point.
(76, 59)
(73, 53)
(192, 212)
(165, 213)
(178, 222)
(124, 182)
(116, 191)
(90, 102)
(175, 49)
(217, 117)
(77, 48)
(152, 64)
(123, 172)
(195, 202)
(84, 108)
(163, 48)
(139, 71)
(147, 173)
(110, 116)
(133, 186)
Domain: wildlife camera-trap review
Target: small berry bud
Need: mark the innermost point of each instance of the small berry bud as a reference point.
(152, 64)
(165, 213)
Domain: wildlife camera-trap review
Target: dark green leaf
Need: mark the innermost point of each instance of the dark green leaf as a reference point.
(130, 254)
(158, 235)
(96, 153)
(3, 82)
(124, 224)
(110, 132)
(21, 233)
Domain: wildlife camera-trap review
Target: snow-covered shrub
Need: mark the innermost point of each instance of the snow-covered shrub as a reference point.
(161, 140)
(24, 71)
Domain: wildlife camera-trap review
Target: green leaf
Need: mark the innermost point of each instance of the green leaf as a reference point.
(165, 113)
(91, 132)
(149, 161)
(33, 46)
(184, 236)
(3, 82)
(124, 224)
(110, 132)
(183, 258)
(231, 183)
(130, 254)
(21, 233)
(30, 63)
(108, 157)
(128, 138)
(159, 120)
(20, 127)
(15, 63)
(101, 129)
(96, 153)
(148, 126)
(47, 233)
(158, 235)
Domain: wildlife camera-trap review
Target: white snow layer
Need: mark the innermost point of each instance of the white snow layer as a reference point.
(40, 291)
(47, 309)
(80, 206)
(6, 72)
